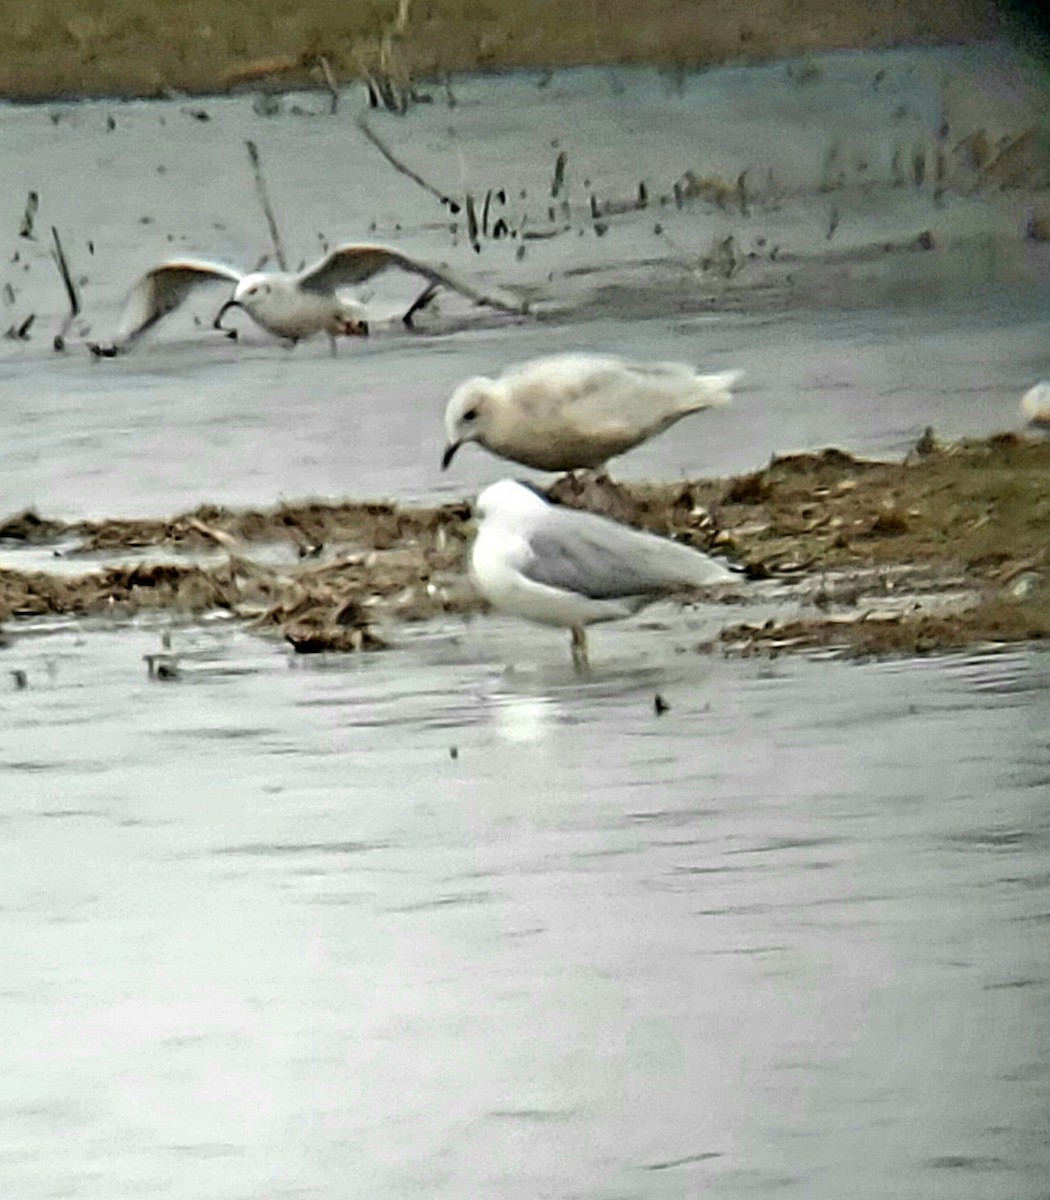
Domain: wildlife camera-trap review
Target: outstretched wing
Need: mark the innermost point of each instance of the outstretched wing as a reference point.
(604, 560)
(353, 264)
(162, 289)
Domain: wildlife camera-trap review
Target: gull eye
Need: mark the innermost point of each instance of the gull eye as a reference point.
(471, 414)
(253, 289)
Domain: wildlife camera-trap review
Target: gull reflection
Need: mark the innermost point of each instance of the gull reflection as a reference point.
(522, 718)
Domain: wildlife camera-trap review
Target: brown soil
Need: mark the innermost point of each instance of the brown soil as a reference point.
(949, 548)
(127, 47)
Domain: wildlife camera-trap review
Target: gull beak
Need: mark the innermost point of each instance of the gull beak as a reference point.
(450, 453)
(217, 323)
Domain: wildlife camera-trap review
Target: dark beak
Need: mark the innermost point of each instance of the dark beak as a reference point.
(217, 323)
(450, 454)
(356, 328)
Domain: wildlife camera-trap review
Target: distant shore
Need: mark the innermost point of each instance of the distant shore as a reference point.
(130, 48)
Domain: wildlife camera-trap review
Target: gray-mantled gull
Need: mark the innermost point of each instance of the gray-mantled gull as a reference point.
(576, 410)
(1035, 404)
(560, 566)
(289, 304)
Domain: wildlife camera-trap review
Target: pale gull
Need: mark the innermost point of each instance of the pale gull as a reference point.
(1035, 404)
(560, 566)
(574, 411)
(292, 305)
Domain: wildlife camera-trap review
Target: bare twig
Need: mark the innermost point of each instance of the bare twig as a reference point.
(401, 20)
(559, 174)
(472, 224)
(383, 92)
(59, 255)
(396, 163)
(62, 263)
(32, 204)
(264, 200)
(20, 332)
(329, 80)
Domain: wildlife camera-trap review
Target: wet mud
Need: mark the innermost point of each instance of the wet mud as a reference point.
(948, 548)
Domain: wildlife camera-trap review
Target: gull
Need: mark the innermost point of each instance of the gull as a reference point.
(289, 304)
(1035, 404)
(560, 566)
(571, 411)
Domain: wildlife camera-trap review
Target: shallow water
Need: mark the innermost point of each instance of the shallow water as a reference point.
(271, 424)
(864, 354)
(446, 921)
(265, 935)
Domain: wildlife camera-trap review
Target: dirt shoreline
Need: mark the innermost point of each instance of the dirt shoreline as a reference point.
(126, 48)
(949, 548)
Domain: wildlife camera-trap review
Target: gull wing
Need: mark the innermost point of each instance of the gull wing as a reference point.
(603, 397)
(353, 264)
(592, 556)
(162, 289)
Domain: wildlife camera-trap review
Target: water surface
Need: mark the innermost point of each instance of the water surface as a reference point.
(446, 921)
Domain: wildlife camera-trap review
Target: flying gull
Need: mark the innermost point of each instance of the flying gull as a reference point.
(291, 305)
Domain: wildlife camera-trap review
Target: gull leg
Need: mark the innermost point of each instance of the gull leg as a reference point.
(420, 302)
(333, 348)
(580, 662)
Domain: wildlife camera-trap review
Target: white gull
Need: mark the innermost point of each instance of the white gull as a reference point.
(288, 304)
(572, 411)
(563, 567)
(1035, 404)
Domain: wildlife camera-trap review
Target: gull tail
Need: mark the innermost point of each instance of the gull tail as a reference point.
(702, 571)
(682, 566)
(711, 391)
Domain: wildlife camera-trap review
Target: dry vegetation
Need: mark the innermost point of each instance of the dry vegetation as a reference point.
(117, 47)
(949, 548)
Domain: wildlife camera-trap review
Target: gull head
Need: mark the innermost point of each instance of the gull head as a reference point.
(468, 415)
(252, 291)
(508, 499)
(250, 294)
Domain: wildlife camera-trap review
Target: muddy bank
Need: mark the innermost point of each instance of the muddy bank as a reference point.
(947, 548)
(125, 47)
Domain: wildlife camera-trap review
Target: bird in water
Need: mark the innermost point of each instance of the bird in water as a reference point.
(564, 567)
(289, 304)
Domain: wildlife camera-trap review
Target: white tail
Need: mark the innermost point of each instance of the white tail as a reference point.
(716, 389)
